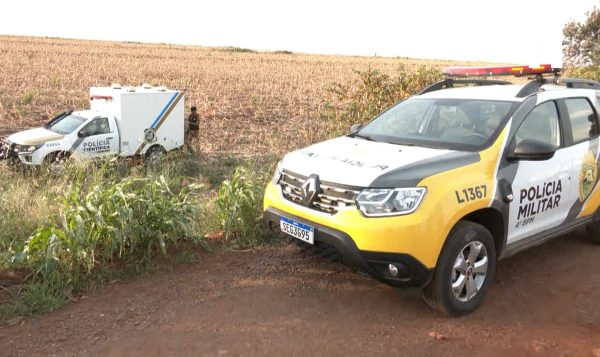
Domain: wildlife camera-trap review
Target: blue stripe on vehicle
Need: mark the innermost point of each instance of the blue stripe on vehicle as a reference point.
(164, 110)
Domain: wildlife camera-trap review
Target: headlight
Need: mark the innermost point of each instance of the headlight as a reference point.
(29, 148)
(278, 172)
(390, 202)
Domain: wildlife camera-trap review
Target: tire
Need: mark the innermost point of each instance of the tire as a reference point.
(465, 240)
(154, 155)
(55, 163)
(593, 232)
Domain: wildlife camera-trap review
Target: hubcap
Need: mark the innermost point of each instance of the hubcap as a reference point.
(469, 272)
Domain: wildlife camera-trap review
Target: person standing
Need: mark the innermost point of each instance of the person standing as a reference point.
(193, 128)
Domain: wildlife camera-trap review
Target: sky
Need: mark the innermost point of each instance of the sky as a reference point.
(524, 32)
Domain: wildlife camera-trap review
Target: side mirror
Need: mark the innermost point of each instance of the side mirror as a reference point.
(81, 134)
(532, 150)
(354, 128)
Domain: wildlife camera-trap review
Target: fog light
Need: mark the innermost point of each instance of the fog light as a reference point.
(393, 270)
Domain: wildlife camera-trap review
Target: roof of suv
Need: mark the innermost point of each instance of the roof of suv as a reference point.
(504, 92)
(543, 78)
(491, 92)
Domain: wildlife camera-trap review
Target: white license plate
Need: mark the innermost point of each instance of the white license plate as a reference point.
(297, 230)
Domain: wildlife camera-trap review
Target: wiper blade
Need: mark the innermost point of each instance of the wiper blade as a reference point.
(363, 136)
(420, 144)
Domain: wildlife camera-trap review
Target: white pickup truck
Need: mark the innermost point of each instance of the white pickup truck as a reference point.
(124, 121)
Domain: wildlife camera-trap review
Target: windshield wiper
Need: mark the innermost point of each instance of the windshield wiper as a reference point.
(420, 144)
(363, 136)
(57, 118)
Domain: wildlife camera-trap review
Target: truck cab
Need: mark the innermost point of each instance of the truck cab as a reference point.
(82, 134)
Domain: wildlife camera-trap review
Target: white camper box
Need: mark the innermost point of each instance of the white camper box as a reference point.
(145, 116)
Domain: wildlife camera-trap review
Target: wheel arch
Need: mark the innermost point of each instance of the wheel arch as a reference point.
(154, 147)
(493, 221)
(55, 153)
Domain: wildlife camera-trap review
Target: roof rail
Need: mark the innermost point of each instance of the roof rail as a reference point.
(534, 85)
(580, 83)
(450, 82)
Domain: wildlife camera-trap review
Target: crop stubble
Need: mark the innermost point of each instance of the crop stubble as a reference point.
(250, 103)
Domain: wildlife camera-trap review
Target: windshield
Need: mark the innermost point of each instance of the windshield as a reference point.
(455, 124)
(66, 125)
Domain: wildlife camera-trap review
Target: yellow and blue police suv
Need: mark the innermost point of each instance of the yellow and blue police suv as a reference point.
(433, 191)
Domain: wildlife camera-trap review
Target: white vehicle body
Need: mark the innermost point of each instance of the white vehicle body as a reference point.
(124, 121)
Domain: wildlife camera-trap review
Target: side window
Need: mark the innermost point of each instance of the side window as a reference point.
(583, 119)
(96, 127)
(541, 124)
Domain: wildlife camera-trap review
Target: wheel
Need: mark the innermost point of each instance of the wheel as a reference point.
(55, 162)
(154, 155)
(593, 232)
(464, 271)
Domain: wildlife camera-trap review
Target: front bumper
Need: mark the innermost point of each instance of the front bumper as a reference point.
(411, 272)
(10, 151)
(7, 150)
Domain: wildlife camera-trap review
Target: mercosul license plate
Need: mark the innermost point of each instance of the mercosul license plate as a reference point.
(298, 230)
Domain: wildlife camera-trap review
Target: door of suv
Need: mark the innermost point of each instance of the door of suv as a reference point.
(553, 193)
(541, 189)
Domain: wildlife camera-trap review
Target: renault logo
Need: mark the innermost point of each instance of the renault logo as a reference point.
(310, 188)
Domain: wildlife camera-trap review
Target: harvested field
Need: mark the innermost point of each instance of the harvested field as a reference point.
(251, 103)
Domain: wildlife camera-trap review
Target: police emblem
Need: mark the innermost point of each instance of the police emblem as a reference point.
(587, 176)
(149, 135)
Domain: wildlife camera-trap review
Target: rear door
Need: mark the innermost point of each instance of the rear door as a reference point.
(582, 123)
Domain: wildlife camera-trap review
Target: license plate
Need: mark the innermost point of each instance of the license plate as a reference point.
(298, 230)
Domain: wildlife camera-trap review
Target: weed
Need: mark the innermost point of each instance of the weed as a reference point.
(372, 91)
(28, 98)
(238, 207)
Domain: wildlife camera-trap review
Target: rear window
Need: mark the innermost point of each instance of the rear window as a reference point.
(583, 119)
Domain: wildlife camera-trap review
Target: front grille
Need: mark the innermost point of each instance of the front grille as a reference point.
(330, 198)
(7, 149)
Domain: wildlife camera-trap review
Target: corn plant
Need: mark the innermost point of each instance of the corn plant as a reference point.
(239, 207)
(131, 221)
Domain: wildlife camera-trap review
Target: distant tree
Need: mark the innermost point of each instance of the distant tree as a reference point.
(581, 44)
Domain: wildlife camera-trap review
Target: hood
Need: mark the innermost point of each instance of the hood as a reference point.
(34, 136)
(362, 163)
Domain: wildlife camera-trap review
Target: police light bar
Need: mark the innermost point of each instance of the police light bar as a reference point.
(105, 97)
(498, 71)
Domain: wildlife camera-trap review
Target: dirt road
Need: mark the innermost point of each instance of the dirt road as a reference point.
(278, 301)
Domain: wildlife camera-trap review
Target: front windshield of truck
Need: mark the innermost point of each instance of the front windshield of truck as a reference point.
(455, 124)
(66, 125)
